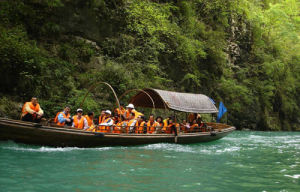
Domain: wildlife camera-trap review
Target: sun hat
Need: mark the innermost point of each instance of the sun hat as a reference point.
(108, 112)
(130, 106)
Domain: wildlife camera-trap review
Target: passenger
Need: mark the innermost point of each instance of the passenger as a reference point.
(195, 126)
(102, 117)
(32, 111)
(129, 110)
(170, 127)
(130, 128)
(118, 125)
(106, 125)
(63, 117)
(184, 126)
(119, 111)
(140, 125)
(151, 124)
(80, 121)
(90, 119)
(159, 124)
(192, 117)
(165, 121)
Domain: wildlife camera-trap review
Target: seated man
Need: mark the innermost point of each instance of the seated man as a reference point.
(90, 119)
(184, 126)
(129, 110)
(102, 116)
(159, 124)
(170, 126)
(140, 125)
(79, 121)
(131, 124)
(119, 111)
(63, 117)
(106, 125)
(151, 124)
(32, 111)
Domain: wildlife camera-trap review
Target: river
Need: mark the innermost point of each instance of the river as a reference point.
(242, 161)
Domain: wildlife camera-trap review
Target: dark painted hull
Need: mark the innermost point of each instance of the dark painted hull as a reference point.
(31, 133)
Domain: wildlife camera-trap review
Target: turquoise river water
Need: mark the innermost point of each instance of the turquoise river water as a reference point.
(242, 161)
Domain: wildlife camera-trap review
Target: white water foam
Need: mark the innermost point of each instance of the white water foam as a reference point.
(58, 149)
(293, 176)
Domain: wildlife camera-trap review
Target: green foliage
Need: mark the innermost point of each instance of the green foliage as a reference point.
(244, 53)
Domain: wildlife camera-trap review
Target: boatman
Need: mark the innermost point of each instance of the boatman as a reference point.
(80, 121)
(63, 117)
(106, 125)
(32, 111)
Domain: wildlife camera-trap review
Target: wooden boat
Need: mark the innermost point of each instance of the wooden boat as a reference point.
(32, 133)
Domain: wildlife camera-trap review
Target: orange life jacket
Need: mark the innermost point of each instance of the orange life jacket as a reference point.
(127, 114)
(79, 124)
(103, 128)
(56, 118)
(101, 119)
(89, 120)
(151, 127)
(129, 124)
(35, 108)
(120, 112)
(168, 127)
(139, 128)
(118, 127)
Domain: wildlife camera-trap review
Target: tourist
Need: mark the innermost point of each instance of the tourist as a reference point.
(32, 111)
(170, 126)
(151, 124)
(101, 117)
(80, 121)
(184, 126)
(140, 125)
(131, 123)
(159, 124)
(90, 118)
(106, 125)
(63, 117)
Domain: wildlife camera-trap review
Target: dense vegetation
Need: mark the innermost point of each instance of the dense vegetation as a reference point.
(245, 53)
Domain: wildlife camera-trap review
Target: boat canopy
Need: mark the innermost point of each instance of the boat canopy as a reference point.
(185, 102)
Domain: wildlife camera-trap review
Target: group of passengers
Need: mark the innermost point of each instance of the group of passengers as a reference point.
(127, 120)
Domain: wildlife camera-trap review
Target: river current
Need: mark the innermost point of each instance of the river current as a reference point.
(242, 161)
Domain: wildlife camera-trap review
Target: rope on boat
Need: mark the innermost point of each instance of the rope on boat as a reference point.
(94, 86)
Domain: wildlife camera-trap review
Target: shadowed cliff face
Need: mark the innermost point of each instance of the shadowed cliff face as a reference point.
(92, 21)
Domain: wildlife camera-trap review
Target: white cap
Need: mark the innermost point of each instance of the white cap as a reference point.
(108, 112)
(78, 110)
(130, 106)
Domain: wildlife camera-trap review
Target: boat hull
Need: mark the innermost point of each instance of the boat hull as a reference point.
(31, 133)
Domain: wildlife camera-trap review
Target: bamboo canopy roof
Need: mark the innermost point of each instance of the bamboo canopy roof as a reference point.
(185, 102)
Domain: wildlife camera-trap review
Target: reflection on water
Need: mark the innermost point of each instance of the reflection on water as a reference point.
(242, 161)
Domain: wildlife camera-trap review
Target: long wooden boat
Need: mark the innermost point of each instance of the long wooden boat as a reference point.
(32, 133)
